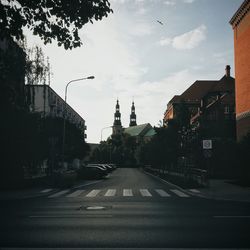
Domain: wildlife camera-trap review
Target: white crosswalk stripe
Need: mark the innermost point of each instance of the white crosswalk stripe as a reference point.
(59, 193)
(194, 190)
(179, 193)
(162, 193)
(145, 192)
(127, 192)
(46, 190)
(110, 192)
(93, 193)
(75, 194)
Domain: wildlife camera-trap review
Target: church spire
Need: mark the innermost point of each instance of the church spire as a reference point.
(132, 116)
(117, 125)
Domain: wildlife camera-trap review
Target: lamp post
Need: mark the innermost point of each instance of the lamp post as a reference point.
(64, 109)
(103, 129)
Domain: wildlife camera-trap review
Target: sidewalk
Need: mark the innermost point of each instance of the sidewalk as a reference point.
(39, 192)
(222, 190)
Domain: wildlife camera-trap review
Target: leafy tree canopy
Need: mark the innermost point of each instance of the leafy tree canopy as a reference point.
(58, 20)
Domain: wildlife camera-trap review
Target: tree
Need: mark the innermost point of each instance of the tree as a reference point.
(37, 70)
(58, 20)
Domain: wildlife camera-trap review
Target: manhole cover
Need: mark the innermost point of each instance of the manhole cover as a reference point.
(95, 208)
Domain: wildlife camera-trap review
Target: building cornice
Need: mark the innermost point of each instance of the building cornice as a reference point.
(240, 13)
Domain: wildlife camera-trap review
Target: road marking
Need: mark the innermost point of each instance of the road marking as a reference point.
(231, 216)
(110, 192)
(46, 190)
(162, 193)
(179, 193)
(59, 193)
(194, 191)
(72, 216)
(127, 192)
(93, 193)
(145, 192)
(75, 194)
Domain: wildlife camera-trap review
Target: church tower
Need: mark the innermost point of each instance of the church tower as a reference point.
(117, 126)
(132, 116)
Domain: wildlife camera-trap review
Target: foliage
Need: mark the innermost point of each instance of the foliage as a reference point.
(37, 70)
(162, 150)
(12, 67)
(119, 149)
(58, 20)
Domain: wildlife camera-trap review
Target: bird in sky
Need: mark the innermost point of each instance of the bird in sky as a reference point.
(159, 22)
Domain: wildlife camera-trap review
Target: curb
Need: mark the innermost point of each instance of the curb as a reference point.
(209, 197)
(169, 183)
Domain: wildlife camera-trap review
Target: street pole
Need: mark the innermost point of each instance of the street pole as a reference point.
(103, 129)
(64, 111)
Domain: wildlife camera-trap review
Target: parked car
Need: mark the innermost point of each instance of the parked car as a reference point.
(91, 172)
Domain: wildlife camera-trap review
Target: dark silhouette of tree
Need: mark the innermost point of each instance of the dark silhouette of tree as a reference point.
(37, 70)
(58, 20)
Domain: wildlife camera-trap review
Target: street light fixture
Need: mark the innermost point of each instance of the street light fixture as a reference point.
(103, 129)
(64, 110)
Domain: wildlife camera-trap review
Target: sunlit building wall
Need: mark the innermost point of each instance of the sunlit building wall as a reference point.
(241, 25)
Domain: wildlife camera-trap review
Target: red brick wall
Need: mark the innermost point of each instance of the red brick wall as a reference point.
(242, 67)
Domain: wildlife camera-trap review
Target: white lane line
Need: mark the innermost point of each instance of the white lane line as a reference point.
(179, 193)
(110, 192)
(59, 193)
(232, 216)
(93, 193)
(162, 193)
(127, 192)
(75, 194)
(194, 191)
(145, 192)
(46, 190)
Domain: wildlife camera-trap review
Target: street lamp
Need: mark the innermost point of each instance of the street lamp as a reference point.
(103, 129)
(64, 109)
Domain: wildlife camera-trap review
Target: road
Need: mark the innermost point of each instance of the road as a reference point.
(127, 209)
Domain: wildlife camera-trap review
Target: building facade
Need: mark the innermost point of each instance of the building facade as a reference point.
(211, 106)
(142, 132)
(241, 26)
(44, 100)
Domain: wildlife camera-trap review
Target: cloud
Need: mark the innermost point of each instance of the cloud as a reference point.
(141, 11)
(140, 29)
(186, 41)
(188, 1)
(190, 39)
(165, 41)
(170, 2)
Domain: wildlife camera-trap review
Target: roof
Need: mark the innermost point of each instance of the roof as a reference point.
(138, 130)
(150, 133)
(197, 90)
(201, 87)
(240, 13)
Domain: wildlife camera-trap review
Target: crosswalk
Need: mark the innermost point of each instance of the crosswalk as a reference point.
(119, 193)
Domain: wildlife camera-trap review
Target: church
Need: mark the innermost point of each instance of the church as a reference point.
(143, 132)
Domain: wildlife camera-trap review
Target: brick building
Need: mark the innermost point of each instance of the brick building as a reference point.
(241, 25)
(211, 106)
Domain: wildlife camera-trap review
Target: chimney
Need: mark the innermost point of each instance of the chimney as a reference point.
(227, 69)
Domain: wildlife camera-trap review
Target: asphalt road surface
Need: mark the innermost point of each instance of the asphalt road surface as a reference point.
(128, 209)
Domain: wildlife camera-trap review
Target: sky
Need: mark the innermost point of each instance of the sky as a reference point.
(134, 57)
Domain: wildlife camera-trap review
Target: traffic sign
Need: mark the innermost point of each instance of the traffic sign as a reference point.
(207, 144)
